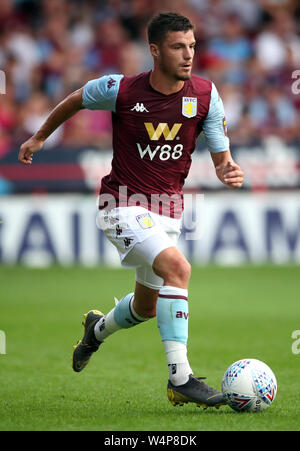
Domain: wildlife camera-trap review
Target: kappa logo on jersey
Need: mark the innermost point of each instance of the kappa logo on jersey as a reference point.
(162, 129)
(111, 82)
(140, 108)
(189, 106)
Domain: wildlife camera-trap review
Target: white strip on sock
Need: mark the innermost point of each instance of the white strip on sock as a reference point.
(178, 364)
(169, 289)
(106, 326)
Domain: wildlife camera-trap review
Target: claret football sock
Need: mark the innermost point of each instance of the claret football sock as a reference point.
(123, 316)
(172, 320)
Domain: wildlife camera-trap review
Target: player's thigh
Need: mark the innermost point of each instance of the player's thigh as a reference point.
(148, 283)
(137, 236)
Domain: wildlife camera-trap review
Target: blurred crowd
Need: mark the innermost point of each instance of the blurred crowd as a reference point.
(49, 48)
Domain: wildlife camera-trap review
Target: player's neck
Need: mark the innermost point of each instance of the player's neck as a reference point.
(164, 84)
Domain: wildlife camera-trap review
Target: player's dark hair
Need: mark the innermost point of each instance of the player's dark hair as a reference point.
(163, 23)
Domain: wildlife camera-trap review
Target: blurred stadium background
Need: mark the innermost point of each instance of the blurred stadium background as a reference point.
(48, 48)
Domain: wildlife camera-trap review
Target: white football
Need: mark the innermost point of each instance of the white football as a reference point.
(249, 385)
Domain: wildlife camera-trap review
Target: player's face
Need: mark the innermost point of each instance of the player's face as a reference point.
(176, 53)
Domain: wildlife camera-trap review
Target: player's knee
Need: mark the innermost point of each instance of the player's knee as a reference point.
(177, 271)
(182, 270)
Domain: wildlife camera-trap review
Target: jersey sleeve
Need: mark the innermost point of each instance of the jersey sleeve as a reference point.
(214, 126)
(101, 93)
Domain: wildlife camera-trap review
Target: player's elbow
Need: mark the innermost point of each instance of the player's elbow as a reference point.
(75, 100)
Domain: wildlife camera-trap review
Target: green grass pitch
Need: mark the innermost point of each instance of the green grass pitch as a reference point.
(235, 312)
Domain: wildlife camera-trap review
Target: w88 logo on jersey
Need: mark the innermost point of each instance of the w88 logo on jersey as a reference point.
(164, 152)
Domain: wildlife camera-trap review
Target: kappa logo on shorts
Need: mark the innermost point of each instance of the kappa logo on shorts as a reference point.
(118, 230)
(145, 221)
(127, 241)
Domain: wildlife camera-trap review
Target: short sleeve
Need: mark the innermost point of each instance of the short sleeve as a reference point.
(101, 93)
(214, 126)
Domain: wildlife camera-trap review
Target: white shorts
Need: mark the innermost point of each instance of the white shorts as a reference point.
(139, 236)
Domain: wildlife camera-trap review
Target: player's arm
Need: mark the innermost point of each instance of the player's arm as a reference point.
(98, 94)
(214, 128)
(63, 111)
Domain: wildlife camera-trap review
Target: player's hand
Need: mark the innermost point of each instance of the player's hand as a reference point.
(28, 148)
(232, 175)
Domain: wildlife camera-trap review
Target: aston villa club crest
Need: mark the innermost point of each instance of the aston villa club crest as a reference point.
(145, 220)
(189, 106)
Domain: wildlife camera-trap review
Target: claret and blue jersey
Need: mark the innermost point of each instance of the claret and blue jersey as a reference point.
(155, 134)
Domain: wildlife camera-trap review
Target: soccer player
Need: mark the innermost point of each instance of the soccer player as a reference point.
(157, 117)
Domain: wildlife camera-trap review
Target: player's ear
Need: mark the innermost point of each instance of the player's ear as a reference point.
(154, 49)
